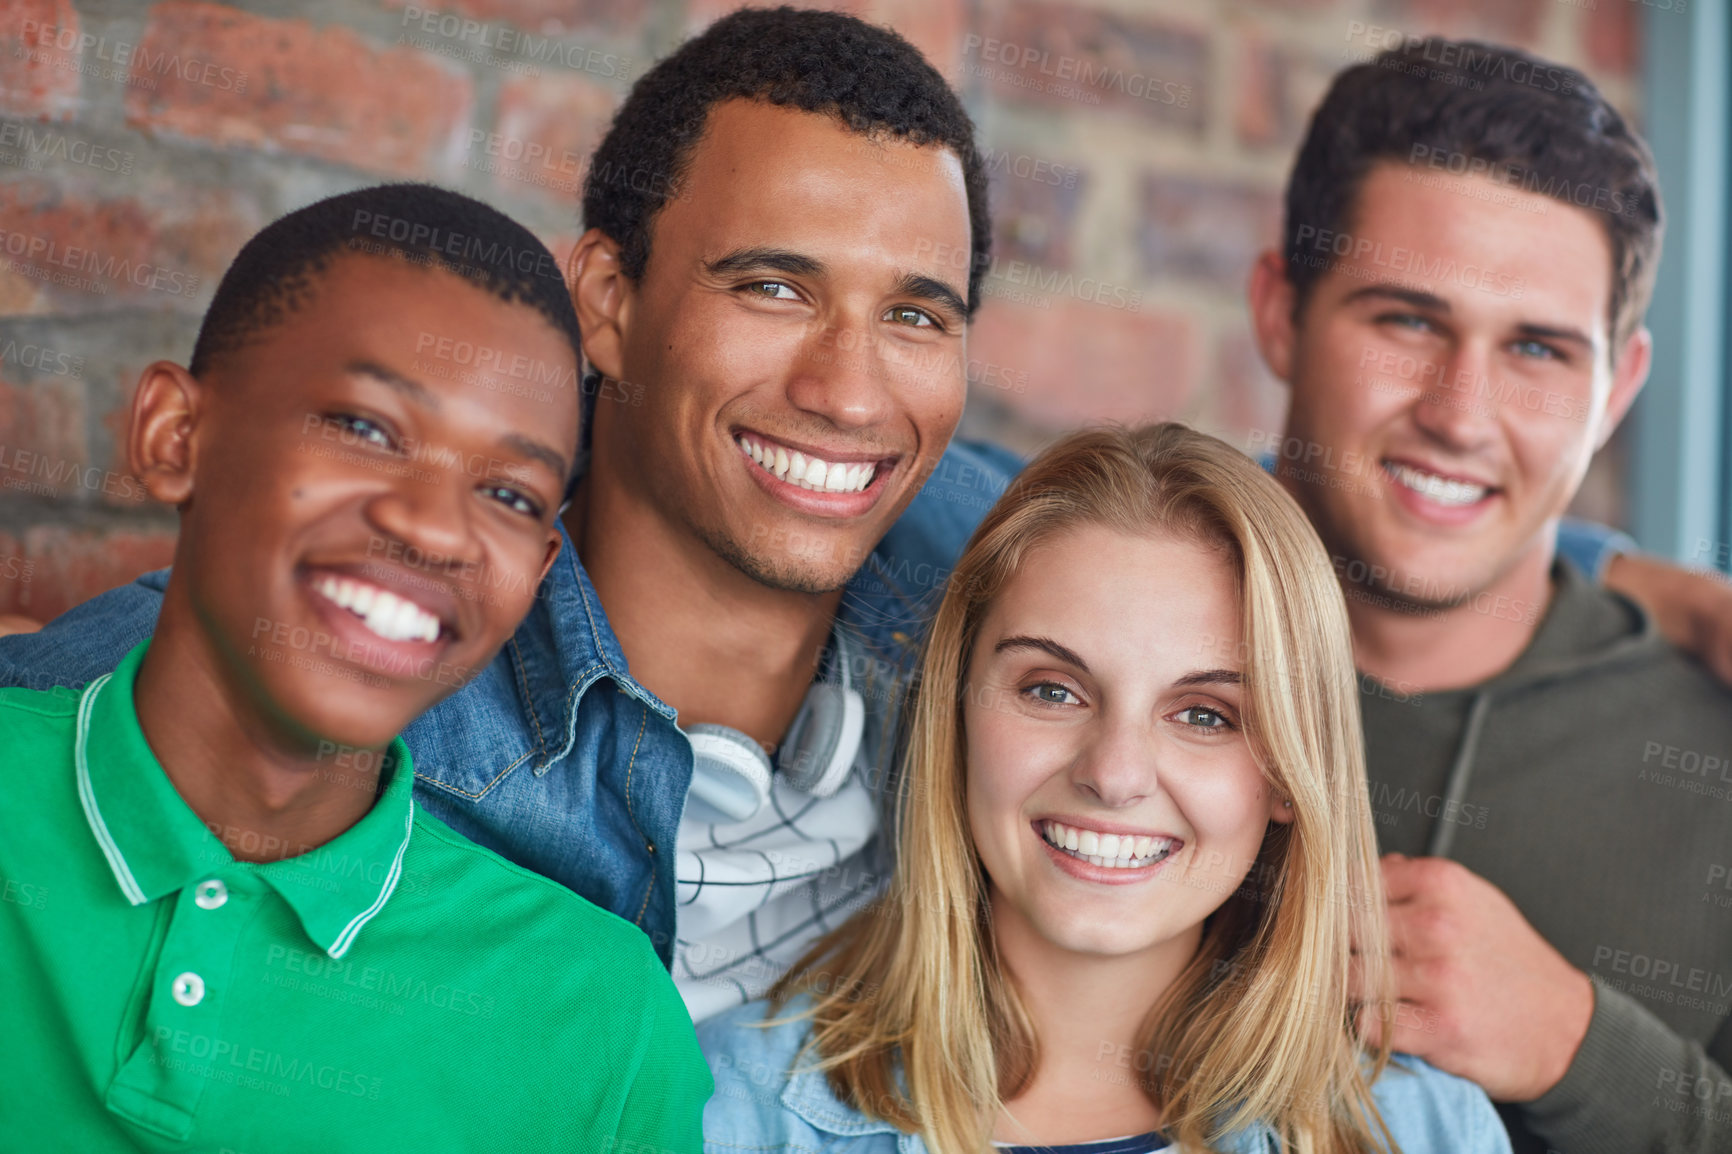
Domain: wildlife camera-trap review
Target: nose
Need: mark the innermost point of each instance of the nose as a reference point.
(1118, 766)
(845, 374)
(429, 510)
(1458, 411)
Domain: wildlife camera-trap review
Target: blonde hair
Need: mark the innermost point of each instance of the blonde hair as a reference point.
(1260, 1026)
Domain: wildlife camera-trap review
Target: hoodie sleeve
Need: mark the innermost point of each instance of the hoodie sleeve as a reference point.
(1637, 1086)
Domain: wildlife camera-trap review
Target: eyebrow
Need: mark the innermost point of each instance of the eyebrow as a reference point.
(414, 390)
(1434, 303)
(1211, 677)
(925, 288)
(779, 259)
(523, 446)
(538, 451)
(1045, 645)
(1384, 291)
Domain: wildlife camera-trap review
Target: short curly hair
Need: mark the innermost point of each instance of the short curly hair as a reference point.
(868, 78)
(276, 272)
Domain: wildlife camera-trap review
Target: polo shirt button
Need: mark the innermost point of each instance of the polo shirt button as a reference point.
(210, 894)
(188, 989)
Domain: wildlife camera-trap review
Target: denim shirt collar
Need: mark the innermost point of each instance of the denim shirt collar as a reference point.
(808, 1097)
(557, 663)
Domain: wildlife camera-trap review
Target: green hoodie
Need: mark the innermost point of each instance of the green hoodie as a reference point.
(1591, 781)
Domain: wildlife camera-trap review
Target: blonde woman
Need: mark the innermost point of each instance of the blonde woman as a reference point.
(1134, 855)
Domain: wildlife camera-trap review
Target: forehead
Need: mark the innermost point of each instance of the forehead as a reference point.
(1157, 604)
(763, 174)
(499, 358)
(1483, 246)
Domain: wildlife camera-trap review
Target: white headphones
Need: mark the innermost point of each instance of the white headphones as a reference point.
(731, 772)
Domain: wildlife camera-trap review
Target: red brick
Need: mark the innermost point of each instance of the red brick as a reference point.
(1034, 215)
(1066, 56)
(1245, 395)
(1077, 362)
(1205, 230)
(39, 79)
(43, 448)
(286, 86)
(117, 250)
(538, 16)
(1612, 36)
(551, 124)
(1276, 88)
(67, 566)
(1514, 22)
(936, 27)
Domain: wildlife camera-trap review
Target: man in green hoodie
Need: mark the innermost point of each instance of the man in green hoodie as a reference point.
(1470, 244)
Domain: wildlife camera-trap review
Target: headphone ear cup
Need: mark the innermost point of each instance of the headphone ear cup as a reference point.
(730, 772)
(819, 750)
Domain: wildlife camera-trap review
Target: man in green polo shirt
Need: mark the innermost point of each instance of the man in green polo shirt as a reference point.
(225, 925)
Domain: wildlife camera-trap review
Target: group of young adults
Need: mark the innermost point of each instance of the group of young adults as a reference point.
(968, 803)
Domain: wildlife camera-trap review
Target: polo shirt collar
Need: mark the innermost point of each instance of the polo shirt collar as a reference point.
(156, 845)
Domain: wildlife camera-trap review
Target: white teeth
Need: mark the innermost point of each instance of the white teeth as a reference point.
(392, 617)
(809, 472)
(1112, 851)
(1440, 489)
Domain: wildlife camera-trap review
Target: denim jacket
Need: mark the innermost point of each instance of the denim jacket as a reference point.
(759, 1108)
(554, 756)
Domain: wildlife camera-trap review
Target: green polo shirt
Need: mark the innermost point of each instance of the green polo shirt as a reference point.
(398, 989)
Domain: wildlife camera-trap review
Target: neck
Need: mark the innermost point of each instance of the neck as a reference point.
(1088, 1011)
(267, 793)
(1455, 647)
(719, 646)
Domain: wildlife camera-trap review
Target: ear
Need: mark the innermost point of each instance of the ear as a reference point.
(1272, 299)
(552, 554)
(602, 293)
(1629, 374)
(161, 449)
(1280, 807)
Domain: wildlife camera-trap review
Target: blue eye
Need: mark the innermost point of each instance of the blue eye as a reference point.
(1202, 717)
(363, 429)
(1052, 693)
(512, 499)
(1538, 350)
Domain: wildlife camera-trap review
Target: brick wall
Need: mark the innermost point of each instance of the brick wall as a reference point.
(1137, 149)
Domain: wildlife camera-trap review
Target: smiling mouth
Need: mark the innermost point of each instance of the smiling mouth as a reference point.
(1447, 491)
(805, 471)
(1114, 851)
(384, 613)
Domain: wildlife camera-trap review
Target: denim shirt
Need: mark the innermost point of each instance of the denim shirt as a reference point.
(554, 756)
(761, 1107)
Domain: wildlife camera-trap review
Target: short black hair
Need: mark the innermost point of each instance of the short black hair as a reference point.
(869, 78)
(273, 275)
(1483, 109)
